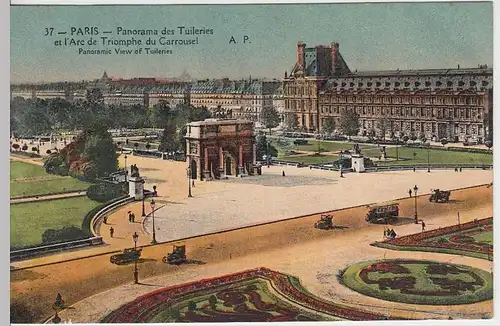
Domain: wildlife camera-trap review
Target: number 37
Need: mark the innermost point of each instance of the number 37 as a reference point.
(49, 31)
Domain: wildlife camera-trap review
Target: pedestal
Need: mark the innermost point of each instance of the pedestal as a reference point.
(241, 170)
(206, 175)
(358, 163)
(221, 173)
(136, 187)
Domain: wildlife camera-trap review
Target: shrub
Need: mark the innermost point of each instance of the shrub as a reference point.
(212, 300)
(25, 147)
(34, 149)
(191, 305)
(48, 151)
(15, 146)
(104, 192)
(442, 240)
(52, 163)
(66, 233)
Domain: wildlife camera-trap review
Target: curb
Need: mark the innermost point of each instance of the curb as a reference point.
(229, 230)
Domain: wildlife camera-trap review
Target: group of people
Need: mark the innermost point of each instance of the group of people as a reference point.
(458, 169)
(389, 233)
(131, 217)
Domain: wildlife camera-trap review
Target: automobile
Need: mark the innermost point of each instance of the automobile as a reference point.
(300, 141)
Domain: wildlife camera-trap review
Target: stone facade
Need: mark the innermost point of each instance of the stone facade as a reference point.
(220, 148)
(443, 103)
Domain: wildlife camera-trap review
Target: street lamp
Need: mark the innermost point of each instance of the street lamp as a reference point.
(415, 189)
(135, 236)
(189, 180)
(153, 242)
(428, 159)
(126, 170)
(143, 198)
(341, 163)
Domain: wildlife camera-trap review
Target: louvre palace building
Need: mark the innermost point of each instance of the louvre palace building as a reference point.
(456, 104)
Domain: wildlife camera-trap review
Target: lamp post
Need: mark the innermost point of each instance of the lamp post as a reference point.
(415, 189)
(153, 242)
(126, 169)
(397, 149)
(189, 180)
(428, 159)
(143, 198)
(135, 237)
(341, 163)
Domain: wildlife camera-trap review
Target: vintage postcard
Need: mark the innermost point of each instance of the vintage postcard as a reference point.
(251, 163)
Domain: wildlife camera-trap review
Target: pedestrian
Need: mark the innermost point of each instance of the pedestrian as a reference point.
(192, 183)
(456, 169)
(111, 232)
(409, 192)
(414, 170)
(129, 216)
(283, 173)
(460, 169)
(132, 218)
(423, 226)
(106, 219)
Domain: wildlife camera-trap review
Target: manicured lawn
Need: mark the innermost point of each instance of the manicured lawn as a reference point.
(20, 170)
(28, 221)
(32, 180)
(419, 282)
(435, 156)
(310, 159)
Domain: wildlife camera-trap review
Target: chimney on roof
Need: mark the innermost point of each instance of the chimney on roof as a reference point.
(335, 59)
(300, 56)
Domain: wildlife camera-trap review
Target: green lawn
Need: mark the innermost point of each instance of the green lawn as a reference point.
(20, 170)
(28, 221)
(423, 283)
(435, 156)
(310, 159)
(32, 180)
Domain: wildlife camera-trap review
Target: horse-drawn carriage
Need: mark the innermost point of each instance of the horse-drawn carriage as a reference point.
(127, 256)
(325, 223)
(383, 213)
(440, 196)
(177, 256)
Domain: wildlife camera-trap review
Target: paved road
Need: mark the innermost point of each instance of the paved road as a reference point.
(246, 201)
(48, 197)
(293, 247)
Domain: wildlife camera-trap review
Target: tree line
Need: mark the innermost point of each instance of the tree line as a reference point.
(29, 117)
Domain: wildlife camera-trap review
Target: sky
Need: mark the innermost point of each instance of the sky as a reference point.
(372, 36)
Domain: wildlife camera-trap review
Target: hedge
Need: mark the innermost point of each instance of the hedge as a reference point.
(105, 191)
(87, 220)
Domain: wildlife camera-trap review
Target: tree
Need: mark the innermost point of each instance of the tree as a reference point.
(383, 124)
(270, 117)
(328, 125)
(148, 146)
(169, 141)
(291, 121)
(349, 123)
(423, 139)
(24, 148)
(34, 149)
(488, 144)
(160, 113)
(100, 150)
(444, 141)
(16, 146)
(262, 147)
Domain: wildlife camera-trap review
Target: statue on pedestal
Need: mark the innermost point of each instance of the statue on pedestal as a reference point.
(134, 171)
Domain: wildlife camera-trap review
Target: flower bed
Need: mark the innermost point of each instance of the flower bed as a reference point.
(419, 282)
(258, 295)
(456, 239)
